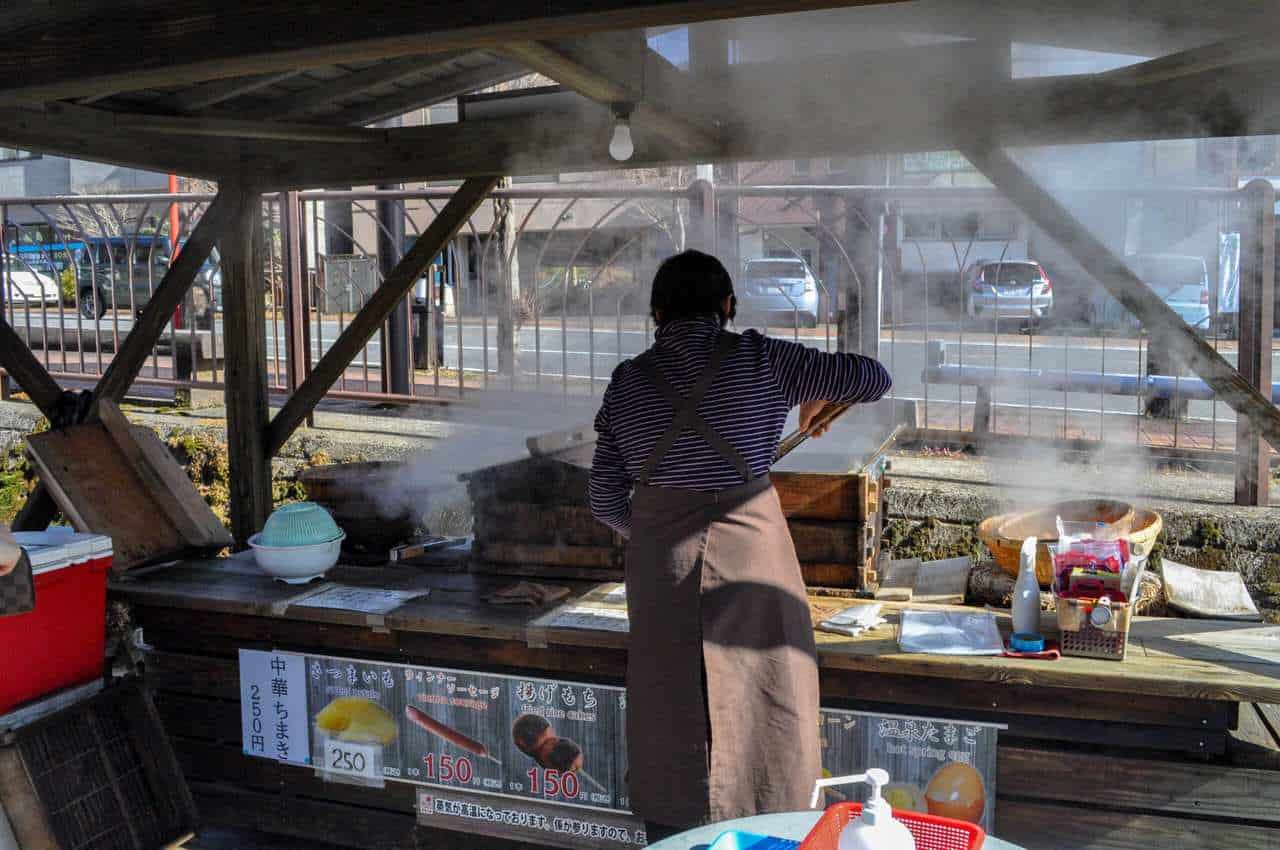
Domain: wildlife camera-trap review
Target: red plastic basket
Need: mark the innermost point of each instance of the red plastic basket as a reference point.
(930, 833)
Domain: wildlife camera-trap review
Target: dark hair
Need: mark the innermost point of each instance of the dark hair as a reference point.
(691, 284)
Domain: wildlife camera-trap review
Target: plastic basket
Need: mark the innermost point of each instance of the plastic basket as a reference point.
(929, 832)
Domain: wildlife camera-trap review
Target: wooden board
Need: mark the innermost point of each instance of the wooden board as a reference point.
(1145, 785)
(113, 478)
(168, 481)
(1045, 826)
(456, 609)
(821, 496)
(1252, 743)
(100, 491)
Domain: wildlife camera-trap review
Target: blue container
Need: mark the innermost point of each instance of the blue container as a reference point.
(750, 841)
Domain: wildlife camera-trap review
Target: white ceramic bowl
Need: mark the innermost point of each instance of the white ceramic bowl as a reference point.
(296, 564)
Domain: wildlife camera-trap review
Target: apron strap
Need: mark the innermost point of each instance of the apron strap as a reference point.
(686, 409)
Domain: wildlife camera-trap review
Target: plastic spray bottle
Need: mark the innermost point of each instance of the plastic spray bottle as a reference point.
(875, 828)
(1026, 593)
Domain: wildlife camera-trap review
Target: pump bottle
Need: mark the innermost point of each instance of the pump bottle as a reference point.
(875, 828)
(1026, 592)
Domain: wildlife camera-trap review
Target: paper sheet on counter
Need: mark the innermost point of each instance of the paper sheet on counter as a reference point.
(950, 633)
(366, 600)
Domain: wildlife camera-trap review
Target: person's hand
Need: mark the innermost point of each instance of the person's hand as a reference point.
(10, 554)
(808, 412)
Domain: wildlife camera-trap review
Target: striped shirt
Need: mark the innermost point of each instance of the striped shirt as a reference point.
(747, 405)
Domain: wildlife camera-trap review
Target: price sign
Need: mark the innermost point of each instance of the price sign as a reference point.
(363, 761)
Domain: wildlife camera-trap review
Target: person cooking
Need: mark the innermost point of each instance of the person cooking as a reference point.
(722, 674)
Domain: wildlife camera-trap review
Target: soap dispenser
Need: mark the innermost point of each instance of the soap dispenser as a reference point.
(875, 828)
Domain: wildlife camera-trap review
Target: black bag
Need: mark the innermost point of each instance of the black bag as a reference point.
(18, 589)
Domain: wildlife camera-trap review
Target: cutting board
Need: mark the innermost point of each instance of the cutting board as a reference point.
(113, 478)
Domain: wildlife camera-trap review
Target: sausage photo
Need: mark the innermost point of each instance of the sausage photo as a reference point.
(435, 727)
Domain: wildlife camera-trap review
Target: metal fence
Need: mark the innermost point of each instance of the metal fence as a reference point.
(548, 289)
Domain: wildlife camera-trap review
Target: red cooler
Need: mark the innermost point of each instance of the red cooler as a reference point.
(59, 644)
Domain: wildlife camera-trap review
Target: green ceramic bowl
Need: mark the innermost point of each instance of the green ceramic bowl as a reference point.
(299, 524)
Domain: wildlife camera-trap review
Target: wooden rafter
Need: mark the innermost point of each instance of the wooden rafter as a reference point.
(211, 94)
(436, 91)
(1164, 325)
(366, 323)
(1259, 47)
(323, 94)
(126, 49)
(615, 71)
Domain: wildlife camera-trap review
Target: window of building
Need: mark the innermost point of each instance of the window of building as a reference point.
(998, 225)
(919, 226)
(15, 154)
(802, 166)
(963, 226)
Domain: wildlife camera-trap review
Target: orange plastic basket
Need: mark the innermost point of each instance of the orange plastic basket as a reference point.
(930, 833)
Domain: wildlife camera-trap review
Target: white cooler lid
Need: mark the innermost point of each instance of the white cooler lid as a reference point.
(59, 546)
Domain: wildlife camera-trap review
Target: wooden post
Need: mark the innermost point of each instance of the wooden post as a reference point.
(375, 311)
(1100, 261)
(245, 322)
(296, 328)
(1257, 320)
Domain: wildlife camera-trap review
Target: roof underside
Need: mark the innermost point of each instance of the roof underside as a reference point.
(280, 94)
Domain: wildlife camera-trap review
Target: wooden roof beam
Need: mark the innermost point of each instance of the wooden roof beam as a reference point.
(130, 48)
(41, 130)
(1210, 57)
(620, 69)
(88, 120)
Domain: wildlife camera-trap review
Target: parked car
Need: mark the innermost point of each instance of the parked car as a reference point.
(779, 288)
(1008, 289)
(119, 273)
(30, 284)
(1182, 280)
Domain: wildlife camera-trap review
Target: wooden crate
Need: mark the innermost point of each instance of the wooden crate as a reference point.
(532, 519)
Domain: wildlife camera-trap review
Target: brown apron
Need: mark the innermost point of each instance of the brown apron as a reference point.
(722, 677)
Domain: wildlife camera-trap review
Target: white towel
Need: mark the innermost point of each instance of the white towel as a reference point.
(853, 621)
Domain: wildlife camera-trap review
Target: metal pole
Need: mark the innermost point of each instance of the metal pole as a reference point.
(397, 375)
(1257, 322)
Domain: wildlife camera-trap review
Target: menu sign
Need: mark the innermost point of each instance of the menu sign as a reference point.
(546, 758)
(939, 767)
(536, 739)
(273, 706)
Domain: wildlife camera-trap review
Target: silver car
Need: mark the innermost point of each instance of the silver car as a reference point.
(1008, 289)
(781, 289)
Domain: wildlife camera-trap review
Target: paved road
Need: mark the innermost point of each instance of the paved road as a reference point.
(583, 354)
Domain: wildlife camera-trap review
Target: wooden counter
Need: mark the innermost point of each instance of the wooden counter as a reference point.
(1179, 691)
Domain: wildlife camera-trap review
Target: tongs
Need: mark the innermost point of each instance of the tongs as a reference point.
(834, 410)
(825, 417)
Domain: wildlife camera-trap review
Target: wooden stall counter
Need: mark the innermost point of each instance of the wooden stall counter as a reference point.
(1155, 731)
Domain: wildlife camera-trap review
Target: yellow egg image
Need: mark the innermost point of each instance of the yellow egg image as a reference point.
(956, 792)
(358, 721)
(905, 796)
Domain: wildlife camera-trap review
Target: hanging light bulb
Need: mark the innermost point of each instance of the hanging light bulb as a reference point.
(620, 146)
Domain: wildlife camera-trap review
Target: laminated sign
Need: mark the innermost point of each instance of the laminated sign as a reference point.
(537, 757)
(938, 767)
(273, 706)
